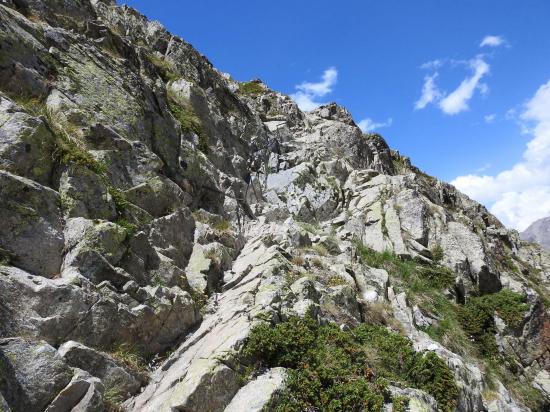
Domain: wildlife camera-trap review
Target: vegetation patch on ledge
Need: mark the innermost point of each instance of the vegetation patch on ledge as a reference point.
(331, 369)
(466, 328)
(190, 122)
(251, 88)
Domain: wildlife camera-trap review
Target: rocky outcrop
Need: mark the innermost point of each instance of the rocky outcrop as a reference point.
(538, 231)
(155, 211)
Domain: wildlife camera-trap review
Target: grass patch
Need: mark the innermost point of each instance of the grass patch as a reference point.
(199, 298)
(112, 400)
(222, 226)
(190, 122)
(417, 276)
(165, 69)
(318, 263)
(130, 228)
(335, 370)
(129, 356)
(251, 88)
(335, 280)
(292, 276)
(309, 227)
(298, 260)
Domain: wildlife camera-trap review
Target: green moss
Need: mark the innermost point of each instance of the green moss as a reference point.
(250, 88)
(190, 122)
(335, 370)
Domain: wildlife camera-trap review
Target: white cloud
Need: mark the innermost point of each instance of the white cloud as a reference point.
(430, 92)
(521, 194)
(492, 41)
(369, 125)
(457, 101)
(307, 94)
(490, 118)
(432, 65)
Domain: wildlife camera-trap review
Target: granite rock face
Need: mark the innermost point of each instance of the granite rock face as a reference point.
(538, 231)
(154, 210)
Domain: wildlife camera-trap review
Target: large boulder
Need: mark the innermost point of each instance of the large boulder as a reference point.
(31, 374)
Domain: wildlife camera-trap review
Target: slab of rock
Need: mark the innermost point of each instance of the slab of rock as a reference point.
(113, 376)
(31, 224)
(255, 395)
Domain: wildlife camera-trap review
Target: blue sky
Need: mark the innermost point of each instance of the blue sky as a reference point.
(377, 58)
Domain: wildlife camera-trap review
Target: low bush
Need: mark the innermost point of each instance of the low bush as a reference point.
(335, 370)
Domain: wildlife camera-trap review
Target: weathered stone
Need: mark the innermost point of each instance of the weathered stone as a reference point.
(83, 393)
(26, 144)
(172, 236)
(31, 225)
(31, 374)
(255, 395)
(113, 376)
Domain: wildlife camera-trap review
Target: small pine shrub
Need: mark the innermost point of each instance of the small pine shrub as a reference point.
(477, 317)
(437, 253)
(334, 370)
(432, 375)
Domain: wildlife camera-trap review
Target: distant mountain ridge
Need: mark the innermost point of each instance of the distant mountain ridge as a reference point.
(538, 231)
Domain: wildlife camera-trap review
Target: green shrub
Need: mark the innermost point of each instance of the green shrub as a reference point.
(250, 88)
(437, 253)
(477, 317)
(431, 374)
(121, 203)
(130, 228)
(335, 370)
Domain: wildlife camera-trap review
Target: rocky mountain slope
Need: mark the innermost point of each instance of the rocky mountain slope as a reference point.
(538, 231)
(174, 240)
